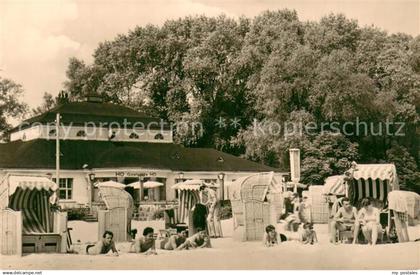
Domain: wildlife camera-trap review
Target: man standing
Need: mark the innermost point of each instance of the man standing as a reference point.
(208, 197)
(344, 219)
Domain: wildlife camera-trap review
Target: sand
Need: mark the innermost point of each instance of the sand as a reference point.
(230, 254)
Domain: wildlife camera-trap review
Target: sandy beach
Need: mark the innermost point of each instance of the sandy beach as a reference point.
(230, 254)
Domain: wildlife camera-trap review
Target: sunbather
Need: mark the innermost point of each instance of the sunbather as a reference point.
(174, 241)
(270, 236)
(103, 246)
(145, 244)
(344, 219)
(198, 240)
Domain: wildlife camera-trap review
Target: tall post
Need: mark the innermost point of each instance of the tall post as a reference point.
(221, 178)
(57, 149)
(140, 189)
(295, 167)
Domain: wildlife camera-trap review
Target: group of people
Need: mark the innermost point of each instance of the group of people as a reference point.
(146, 244)
(299, 227)
(306, 236)
(347, 218)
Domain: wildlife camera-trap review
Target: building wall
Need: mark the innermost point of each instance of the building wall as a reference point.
(27, 134)
(92, 133)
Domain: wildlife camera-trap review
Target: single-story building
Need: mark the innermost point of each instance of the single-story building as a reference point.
(103, 141)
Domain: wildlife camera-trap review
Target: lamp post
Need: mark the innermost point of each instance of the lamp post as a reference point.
(221, 177)
(91, 178)
(181, 179)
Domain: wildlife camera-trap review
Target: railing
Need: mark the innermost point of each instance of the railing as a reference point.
(168, 203)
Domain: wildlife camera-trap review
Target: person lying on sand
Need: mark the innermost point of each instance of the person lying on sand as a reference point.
(174, 241)
(145, 244)
(198, 240)
(270, 236)
(103, 246)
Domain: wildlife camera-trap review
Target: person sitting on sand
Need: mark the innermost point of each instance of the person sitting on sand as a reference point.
(198, 240)
(174, 241)
(343, 220)
(309, 234)
(145, 244)
(270, 236)
(103, 246)
(368, 218)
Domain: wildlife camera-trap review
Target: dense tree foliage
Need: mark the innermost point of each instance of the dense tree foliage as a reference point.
(250, 82)
(11, 105)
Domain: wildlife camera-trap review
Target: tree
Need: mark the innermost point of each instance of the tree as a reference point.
(48, 103)
(407, 169)
(269, 71)
(11, 106)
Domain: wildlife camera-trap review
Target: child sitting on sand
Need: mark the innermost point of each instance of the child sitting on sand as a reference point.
(309, 234)
(270, 236)
(145, 244)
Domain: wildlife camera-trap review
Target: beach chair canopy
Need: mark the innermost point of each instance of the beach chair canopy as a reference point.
(193, 185)
(334, 185)
(116, 197)
(110, 183)
(373, 180)
(189, 196)
(32, 195)
(254, 187)
(405, 202)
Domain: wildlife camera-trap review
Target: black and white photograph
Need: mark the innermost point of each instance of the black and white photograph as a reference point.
(209, 135)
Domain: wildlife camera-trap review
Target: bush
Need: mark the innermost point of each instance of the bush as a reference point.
(225, 210)
(77, 213)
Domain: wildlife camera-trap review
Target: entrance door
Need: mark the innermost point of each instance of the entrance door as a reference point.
(257, 218)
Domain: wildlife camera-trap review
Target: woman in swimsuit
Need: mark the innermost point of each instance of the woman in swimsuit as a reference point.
(368, 219)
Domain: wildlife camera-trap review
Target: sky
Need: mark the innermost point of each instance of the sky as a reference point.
(37, 37)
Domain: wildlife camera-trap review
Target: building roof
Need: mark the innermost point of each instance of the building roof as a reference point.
(40, 154)
(79, 113)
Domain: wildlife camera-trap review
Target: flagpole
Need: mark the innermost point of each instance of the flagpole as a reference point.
(57, 149)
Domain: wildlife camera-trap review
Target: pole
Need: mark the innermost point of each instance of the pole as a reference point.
(57, 149)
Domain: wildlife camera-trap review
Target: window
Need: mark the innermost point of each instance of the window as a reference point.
(81, 133)
(65, 189)
(159, 136)
(134, 136)
(52, 133)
